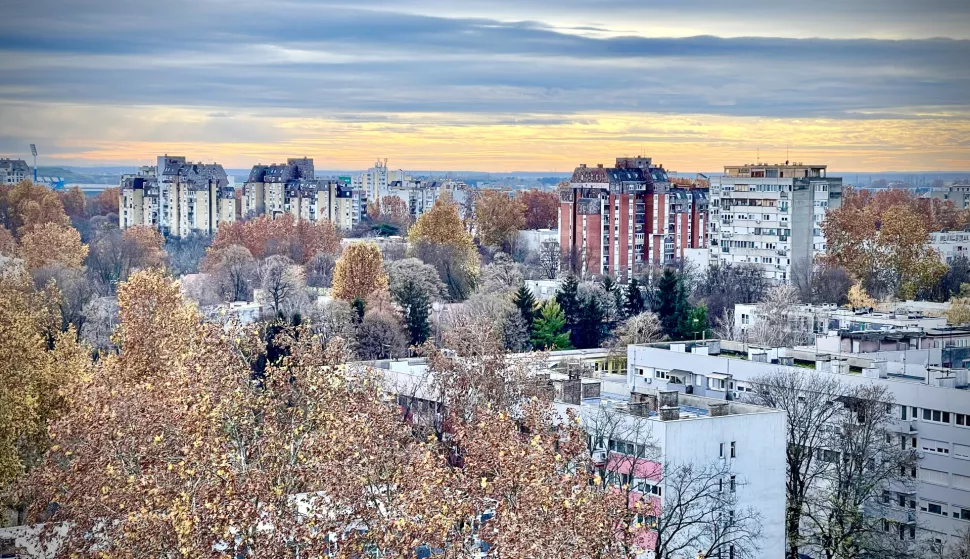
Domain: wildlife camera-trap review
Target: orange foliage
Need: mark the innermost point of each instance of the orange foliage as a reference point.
(108, 201)
(498, 218)
(359, 272)
(264, 237)
(32, 204)
(74, 201)
(146, 243)
(52, 244)
(541, 208)
(8, 244)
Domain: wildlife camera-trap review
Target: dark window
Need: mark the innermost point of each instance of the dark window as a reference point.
(934, 509)
(734, 453)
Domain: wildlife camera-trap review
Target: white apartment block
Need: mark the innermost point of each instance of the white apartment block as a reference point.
(951, 244)
(772, 216)
(374, 180)
(292, 188)
(931, 414)
(13, 171)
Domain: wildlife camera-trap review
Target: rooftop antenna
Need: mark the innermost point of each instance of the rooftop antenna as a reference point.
(33, 151)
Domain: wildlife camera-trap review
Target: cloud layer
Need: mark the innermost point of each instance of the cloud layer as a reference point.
(480, 64)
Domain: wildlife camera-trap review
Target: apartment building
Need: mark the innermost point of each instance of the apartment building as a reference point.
(617, 220)
(633, 439)
(958, 193)
(419, 195)
(772, 216)
(177, 197)
(291, 187)
(931, 414)
(951, 244)
(13, 171)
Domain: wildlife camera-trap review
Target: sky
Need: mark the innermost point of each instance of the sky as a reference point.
(489, 85)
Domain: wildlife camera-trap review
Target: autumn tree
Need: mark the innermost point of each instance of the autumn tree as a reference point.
(439, 238)
(380, 335)
(359, 272)
(391, 209)
(115, 254)
(498, 219)
(53, 244)
(540, 208)
(858, 297)
(28, 205)
(108, 201)
(8, 244)
(882, 241)
(319, 270)
(281, 284)
(264, 236)
(39, 364)
(235, 272)
(74, 202)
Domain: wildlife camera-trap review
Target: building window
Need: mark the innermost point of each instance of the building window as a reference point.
(734, 453)
(936, 416)
(934, 508)
(721, 454)
(936, 447)
(734, 484)
(934, 476)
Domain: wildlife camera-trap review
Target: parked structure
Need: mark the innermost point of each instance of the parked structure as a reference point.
(177, 197)
(617, 220)
(932, 412)
(13, 171)
(772, 216)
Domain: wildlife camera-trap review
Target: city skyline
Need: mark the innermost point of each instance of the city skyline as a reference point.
(487, 85)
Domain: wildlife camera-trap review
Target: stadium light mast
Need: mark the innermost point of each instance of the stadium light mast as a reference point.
(33, 151)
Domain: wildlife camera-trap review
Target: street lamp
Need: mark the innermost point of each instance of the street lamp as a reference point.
(33, 151)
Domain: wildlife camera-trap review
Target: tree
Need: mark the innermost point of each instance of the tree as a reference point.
(30, 205)
(439, 238)
(858, 297)
(541, 209)
(8, 244)
(319, 270)
(40, 363)
(959, 312)
(549, 259)
(777, 322)
(234, 272)
(961, 547)
(52, 244)
(68, 291)
(845, 516)
(548, 332)
(359, 272)
(722, 287)
(640, 328)
(391, 209)
(265, 236)
(830, 284)
(114, 254)
(634, 303)
(590, 329)
(498, 219)
(108, 201)
(185, 254)
(282, 284)
(414, 285)
(567, 297)
(882, 241)
(956, 274)
(671, 304)
(526, 302)
(800, 393)
(381, 336)
(74, 202)
(501, 275)
(100, 320)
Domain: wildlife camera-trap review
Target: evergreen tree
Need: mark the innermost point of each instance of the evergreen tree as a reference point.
(589, 331)
(635, 303)
(567, 297)
(527, 305)
(417, 313)
(549, 333)
(694, 324)
(615, 291)
(671, 304)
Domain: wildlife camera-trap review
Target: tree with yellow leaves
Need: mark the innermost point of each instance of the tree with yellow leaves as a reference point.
(359, 272)
(28, 204)
(439, 238)
(498, 219)
(52, 244)
(39, 364)
(858, 297)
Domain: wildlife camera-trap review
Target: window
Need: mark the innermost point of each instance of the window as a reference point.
(734, 483)
(734, 453)
(934, 476)
(936, 447)
(934, 508)
(721, 452)
(936, 416)
(964, 514)
(961, 482)
(962, 420)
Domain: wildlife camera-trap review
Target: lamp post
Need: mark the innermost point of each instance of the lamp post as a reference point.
(33, 151)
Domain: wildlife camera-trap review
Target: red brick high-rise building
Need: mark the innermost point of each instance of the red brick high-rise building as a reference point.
(619, 220)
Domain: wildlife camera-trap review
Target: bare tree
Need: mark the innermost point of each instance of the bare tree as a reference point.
(101, 318)
(235, 271)
(550, 255)
(848, 512)
(282, 284)
(638, 329)
(777, 322)
(319, 270)
(725, 327)
(700, 512)
(960, 549)
(810, 401)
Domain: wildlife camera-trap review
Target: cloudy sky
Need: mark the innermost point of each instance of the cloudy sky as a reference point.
(495, 85)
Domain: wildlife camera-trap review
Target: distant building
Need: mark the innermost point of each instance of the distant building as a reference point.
(291, 187)
(771, 216)
(958, 193)
(177, 197)
(13, 171)
(535, 239)
(951, 244)
(618, 220)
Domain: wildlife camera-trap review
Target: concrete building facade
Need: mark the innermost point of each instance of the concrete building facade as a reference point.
(772, 216)
(930, 413)
(292, 188)
(13, 171)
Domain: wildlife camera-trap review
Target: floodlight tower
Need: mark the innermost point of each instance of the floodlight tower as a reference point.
(33, 151)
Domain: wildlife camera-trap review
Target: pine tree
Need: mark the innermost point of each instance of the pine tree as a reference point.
(590, 331)
(694, 324)
(548, 332)
(567, 297)
(416, 317)
(615, 291)
(527, 305)
(634, 298)
(671, 301)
